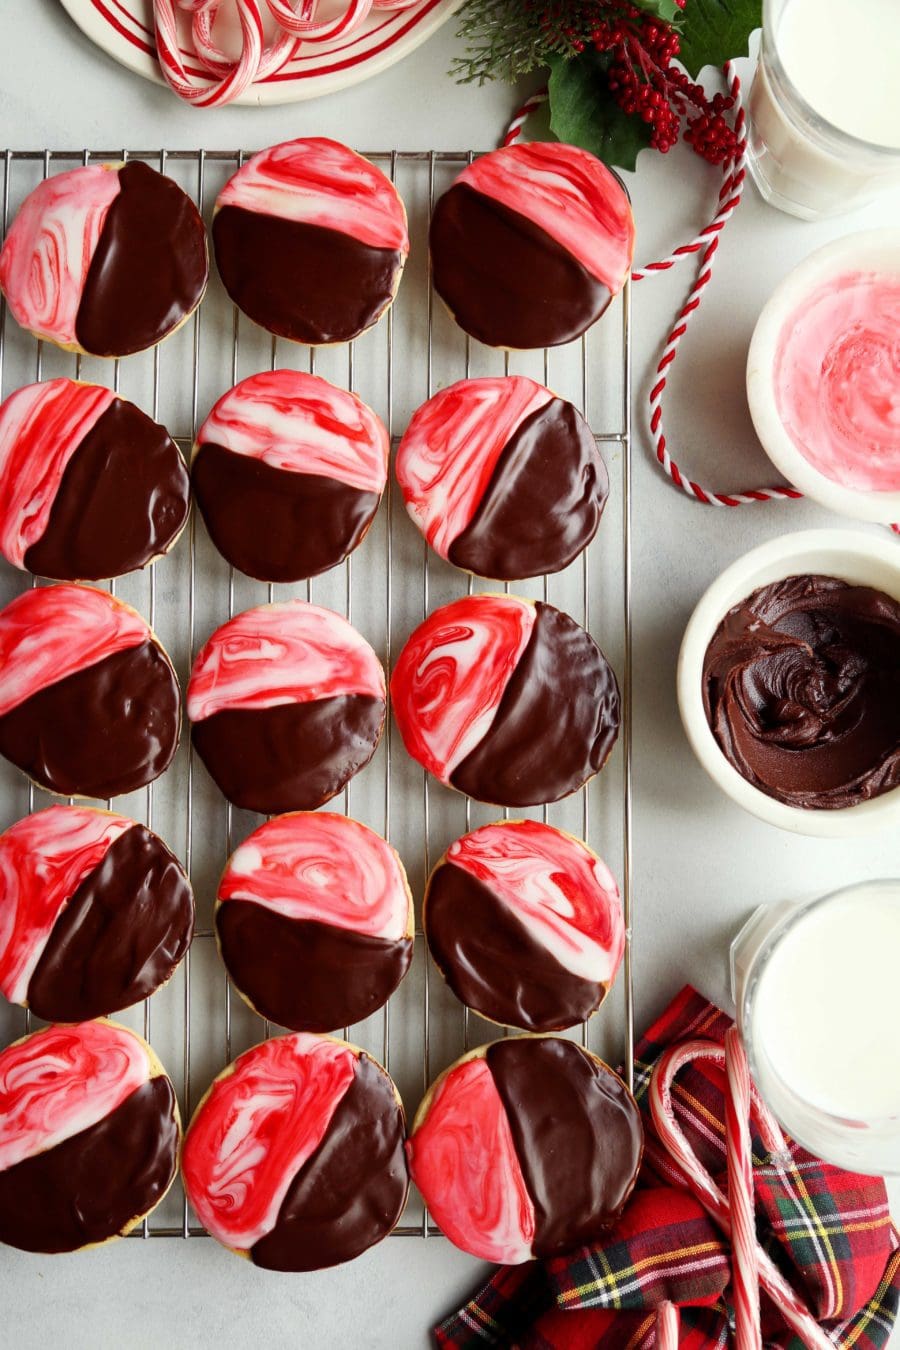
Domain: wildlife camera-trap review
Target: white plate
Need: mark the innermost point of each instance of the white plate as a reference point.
(124, 29)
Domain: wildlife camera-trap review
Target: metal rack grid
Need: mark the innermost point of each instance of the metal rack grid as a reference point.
(196, 1022)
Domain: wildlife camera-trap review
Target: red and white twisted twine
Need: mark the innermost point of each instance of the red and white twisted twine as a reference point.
(733, 1214)
(223, 79)
(706, 244)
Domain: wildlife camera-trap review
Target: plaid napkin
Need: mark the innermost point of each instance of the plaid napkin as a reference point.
(829, 1230)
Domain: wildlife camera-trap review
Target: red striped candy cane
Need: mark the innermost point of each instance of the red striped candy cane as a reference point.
(744, 1267)
(230, 84)
(667, 1320)
(794, 1311)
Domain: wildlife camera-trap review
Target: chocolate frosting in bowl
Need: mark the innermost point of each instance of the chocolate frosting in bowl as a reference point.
(800, 689)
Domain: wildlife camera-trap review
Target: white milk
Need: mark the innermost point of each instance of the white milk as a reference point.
(824, 1026)
(843, 57)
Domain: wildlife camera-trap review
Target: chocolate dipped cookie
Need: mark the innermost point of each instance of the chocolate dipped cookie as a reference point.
(294, 1158)
(107, 259)
(503, 478)
(311, 241)
(506, 700)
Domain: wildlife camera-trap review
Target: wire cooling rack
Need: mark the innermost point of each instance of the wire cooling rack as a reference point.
(196, 1023)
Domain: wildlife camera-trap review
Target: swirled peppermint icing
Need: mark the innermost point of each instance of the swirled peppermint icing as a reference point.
(836, 379)
(324, 867)
(51, 632)
(564, 894)
(316, 181)
(48, 251)
(462, 1158)
(41, 428)
(292, 652)
(451, 447)
(43, 860)
(63, 1080)
(570, 194)
(298, 422)
(452, 674)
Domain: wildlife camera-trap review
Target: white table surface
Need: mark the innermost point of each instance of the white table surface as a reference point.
(701, 864)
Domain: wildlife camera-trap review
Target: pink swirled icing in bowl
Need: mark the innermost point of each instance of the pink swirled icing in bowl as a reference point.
(837, 380)
(823, 376)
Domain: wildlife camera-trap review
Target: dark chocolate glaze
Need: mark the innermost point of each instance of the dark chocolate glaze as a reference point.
(493, 964)
(543, 502)
(306, 975)
(106, 730)
(122, 501)
(274, 524)
(90, 1187)
(292, 757)
(800, 688)
(577, 1133)
(120, 936)
(556, 723)
(505, 280)
(351, 1192)
(150, 267)
(301, 281)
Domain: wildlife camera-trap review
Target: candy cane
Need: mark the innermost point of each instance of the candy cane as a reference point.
(667, 1320)
(792, 1308)
(296, 21)
(745, 1272)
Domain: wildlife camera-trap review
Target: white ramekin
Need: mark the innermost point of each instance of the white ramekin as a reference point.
(854, 557)
(870, 250)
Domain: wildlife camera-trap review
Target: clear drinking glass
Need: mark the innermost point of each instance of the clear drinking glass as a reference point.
(817, 992)
(802, 162)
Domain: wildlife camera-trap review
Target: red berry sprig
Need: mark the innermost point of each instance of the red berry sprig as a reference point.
(646, 84)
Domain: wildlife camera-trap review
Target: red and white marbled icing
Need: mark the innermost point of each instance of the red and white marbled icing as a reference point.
(291, 652)
(260, 1121)
(51, 632)
(837, 380)
(41, 427)
(565, 896)
(571, 195)
(451, 447)
(299, 422)
(452, 674)
(43, 860)
(463, 1160)
(322, 866)
(63, 1080)
(316, 181)
(45, 260)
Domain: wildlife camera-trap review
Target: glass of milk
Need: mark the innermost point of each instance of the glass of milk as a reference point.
(817, 992)
(825, 104)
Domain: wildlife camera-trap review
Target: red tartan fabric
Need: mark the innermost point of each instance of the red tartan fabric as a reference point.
(830, 1231)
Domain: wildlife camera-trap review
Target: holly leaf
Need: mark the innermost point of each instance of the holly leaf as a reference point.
(583, 112)
(667, 10)
(716, 30)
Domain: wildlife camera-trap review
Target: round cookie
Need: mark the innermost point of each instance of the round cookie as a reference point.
(287, 703)
(90, 486)
(528, 1147)
(288, 472)
(95, 913)
(530, 244)
(89, 1136)
(294, 1158)
(525, 924)
(506, 700)
(107, 259)
(314, 921)
(311, 240)
(89, 702)
(503, 478)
